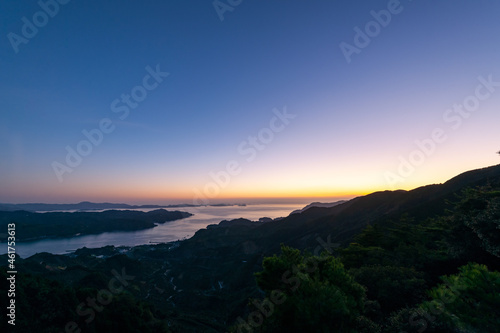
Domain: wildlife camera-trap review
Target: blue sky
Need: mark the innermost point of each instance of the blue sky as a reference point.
(352, 124)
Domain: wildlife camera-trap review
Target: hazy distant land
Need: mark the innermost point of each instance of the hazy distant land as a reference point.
(86, 205)
(34, 226)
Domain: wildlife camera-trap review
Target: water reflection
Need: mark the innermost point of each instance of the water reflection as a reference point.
(166, 232)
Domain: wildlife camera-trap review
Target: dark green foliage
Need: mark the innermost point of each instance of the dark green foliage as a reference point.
(397, 261)
(318, 294)
(415, 320)
(468, 300)
(403, 244)
(479, 211)
(126, 314)
(47, 306)
(392, 287)
(40, 303)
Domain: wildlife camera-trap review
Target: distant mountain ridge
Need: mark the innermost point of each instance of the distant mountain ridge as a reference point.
(341, 222)
(86, 205)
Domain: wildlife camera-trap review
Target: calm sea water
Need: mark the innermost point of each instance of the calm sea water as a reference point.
(166, 232)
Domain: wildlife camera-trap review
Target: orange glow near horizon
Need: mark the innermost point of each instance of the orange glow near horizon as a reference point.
(256, 188)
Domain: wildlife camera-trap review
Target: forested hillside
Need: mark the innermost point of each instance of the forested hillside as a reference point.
(425, 260)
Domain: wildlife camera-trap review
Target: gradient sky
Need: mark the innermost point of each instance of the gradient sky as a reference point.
(353, 122)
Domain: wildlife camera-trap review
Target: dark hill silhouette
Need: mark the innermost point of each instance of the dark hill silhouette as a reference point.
(205, 282)
(343, 221)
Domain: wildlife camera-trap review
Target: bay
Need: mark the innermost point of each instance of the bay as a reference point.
(162, 233)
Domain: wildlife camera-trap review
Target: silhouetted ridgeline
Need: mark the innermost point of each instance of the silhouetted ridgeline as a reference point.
(387, 253)
(85, 205)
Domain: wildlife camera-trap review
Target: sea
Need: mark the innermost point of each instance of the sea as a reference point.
(162, 233)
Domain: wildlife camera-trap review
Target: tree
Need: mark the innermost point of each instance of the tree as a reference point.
(392, 287)
(469, 300)
(479, 212)
(318, 295)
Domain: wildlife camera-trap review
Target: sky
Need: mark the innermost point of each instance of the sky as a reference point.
(243, 101)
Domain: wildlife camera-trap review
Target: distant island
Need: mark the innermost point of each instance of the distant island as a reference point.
(34, 226)
(86, 205)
